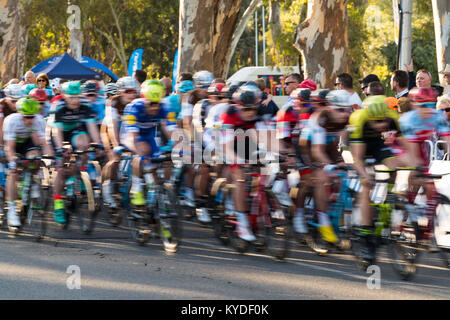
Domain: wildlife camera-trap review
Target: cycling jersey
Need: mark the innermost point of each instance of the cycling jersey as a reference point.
(137, 120)
(288, 124)
(172, 104)
(418, 130)
(15, 129)
(362, 132)
(74, 119)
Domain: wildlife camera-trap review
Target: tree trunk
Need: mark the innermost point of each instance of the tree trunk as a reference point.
(13, 40)
(323, 41)
(441, 13)
(275, 24)
(206, 32)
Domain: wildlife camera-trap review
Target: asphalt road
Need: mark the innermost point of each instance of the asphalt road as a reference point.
(108, 265)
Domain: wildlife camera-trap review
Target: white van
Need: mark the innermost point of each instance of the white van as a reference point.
(272, 75)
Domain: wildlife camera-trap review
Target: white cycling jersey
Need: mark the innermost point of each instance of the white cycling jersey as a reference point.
(14, 128)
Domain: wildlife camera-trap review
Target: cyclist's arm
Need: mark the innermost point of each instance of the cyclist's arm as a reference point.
(93, 132)
(358, 151)
(10, 150)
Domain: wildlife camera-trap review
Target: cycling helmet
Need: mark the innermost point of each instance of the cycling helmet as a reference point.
(376, 107)
(392, 103)
(111, 89)
(72, 88)
(203, 79)
(27, 88)
(229, 91)
(153, 90)
(339, 98)
(28, 106)
(301, 94)
(91, 86)
(247, 96)
(308, 84)
(320, 96)
(127, 83)
(185, 86)
(423, 95)
(38, 94)
(14, 91)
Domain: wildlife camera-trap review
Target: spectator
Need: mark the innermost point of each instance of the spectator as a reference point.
(167, 84)
(29, 78)
(344, 81)
(446, 73)
(399, 83)
(392, 103)
(185, 76)
(443, 104)
(366, 81)
(375, 89)
(423, 79)
(404, 105)
(43, 82)
(140, 76)
(268, 108)
(292, 82)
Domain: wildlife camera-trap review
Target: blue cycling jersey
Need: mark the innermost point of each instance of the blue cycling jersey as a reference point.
(136, 119)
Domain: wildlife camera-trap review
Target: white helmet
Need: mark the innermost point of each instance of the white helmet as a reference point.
(14, 91)
(339, 98)
(111, 89)
(203, 79)
(127, 83)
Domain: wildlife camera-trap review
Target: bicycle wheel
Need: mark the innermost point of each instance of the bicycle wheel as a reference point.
(36, 211)
(139, 229)
(276, 228)
(403, 247)
(85, 206)
(219, 199)
(170, 229)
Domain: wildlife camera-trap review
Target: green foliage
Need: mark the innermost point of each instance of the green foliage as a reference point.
(148, 24)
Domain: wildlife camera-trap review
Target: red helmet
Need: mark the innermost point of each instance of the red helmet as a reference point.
(39, 94)
(217, 89)
(308, 84)
(422, 95)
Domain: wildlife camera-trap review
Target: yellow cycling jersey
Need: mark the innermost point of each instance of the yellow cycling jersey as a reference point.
(360, 130)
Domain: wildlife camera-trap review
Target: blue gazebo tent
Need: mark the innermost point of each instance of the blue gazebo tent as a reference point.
(65, 67)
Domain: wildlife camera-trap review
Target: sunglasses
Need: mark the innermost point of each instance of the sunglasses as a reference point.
(130, 91)
(28, 117)
(337, 83)
(446, 109)
(14, 100)
(343, 110)
(290, 82)
(154, 104)
(41, 80)
(378, 121)
(91, 95)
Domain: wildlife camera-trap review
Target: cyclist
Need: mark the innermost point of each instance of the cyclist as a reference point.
(141, 120)
(91, 91)
(320, 141)
(74, 122)
(368, 128)
(127, 92)
(243, 114)
(424, 123)
(23, 131)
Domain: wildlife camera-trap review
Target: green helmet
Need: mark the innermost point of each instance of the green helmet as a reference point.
(72, 88)
(376, 107)
(153, 90)
(28, 106)
(28, 87)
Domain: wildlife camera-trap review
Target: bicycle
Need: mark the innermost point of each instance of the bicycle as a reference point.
(80, 196)
(268, 218)
(159, 217)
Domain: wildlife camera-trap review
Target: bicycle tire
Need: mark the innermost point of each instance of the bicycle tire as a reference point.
(170, 229)
(85, 206)
(36, 212)
(218, 199)
(276, 233)
(403, 249)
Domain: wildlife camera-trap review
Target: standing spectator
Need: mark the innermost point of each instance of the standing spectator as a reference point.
(423, 79)
(366, 81)
(291, 83)
(443, 104)
(404, 105)
(140, 76)
(446, 73)
(375, 88)
(399, 83)
(168, 85)
(344, 81)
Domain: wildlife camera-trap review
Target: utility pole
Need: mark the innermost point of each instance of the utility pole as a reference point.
(405, 32)
(264, 35)
(256, 38)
